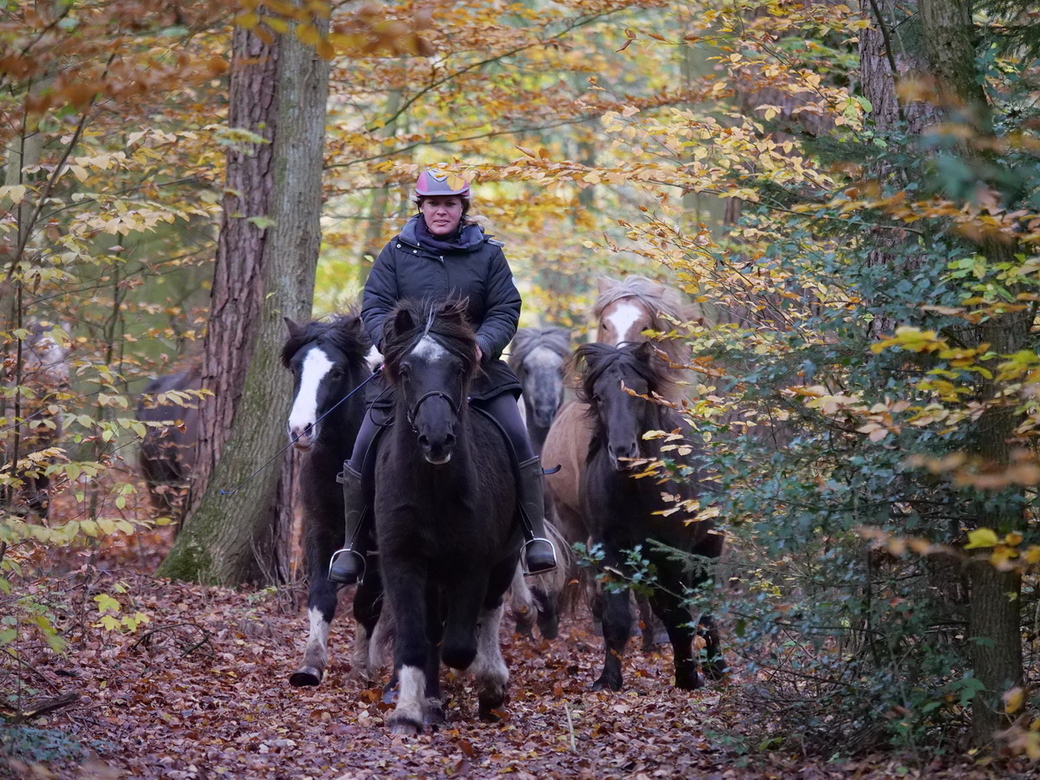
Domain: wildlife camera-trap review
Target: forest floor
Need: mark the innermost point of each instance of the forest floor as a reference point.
(201, 691)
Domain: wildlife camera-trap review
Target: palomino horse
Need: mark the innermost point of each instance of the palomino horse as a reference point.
(625, 513)
(448, 537)
(624, 310)
(329, 361)
(538, 357)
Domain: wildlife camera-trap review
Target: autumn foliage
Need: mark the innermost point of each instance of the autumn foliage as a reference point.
(859, 257)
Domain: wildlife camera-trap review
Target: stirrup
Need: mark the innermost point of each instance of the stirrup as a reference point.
(523, 556)
(364, 565)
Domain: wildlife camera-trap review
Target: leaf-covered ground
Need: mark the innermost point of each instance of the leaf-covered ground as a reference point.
(202, 691)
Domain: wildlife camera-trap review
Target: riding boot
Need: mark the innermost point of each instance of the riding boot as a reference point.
(348, 565)
(539, 555)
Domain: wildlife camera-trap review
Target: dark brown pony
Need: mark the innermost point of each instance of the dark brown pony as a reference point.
(445, 518)
(628, 515)
(626, 311)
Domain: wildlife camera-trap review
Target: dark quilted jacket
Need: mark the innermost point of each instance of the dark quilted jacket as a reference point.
(479, 273)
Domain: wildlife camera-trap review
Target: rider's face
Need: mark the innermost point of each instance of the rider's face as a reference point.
(442, 214)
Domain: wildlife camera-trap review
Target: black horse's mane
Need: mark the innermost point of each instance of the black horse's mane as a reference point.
(527, 340)
(345, 332)
(594, 359)
(446, 321)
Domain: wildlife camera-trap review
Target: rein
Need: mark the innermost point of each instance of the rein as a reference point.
(294, 439)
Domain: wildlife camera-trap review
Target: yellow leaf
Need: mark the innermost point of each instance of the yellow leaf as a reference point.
(981, 537)
(1013, 700)
(307, 34)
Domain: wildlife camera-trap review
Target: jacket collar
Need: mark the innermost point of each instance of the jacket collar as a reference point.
(472, 235)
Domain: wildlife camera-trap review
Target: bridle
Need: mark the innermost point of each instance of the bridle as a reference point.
(455, 406)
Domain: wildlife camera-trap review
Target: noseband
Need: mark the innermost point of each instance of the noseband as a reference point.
(455, 407)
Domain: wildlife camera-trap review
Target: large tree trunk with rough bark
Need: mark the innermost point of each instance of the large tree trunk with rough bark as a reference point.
(265, 269)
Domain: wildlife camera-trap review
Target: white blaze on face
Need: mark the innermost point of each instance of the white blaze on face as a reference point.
(305, 409)
(623, 319)
(429, 349)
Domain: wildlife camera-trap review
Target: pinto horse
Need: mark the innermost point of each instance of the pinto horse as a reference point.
(448, 537)
(328, 360)
(622, 387)
(538, 357)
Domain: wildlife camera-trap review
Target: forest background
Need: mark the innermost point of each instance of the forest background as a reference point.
(846, 194)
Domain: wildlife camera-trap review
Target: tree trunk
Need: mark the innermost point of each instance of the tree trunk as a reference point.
(266, 259)
(994, 618)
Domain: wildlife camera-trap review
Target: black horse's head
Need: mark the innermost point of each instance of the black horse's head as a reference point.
(326, 359)
(617, 383)
(430, 356)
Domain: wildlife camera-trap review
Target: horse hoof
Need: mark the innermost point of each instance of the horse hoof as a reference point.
(405, 726)
(489, 714)
(305, 676)
(434, 716)
(603, 684)
(689, 682)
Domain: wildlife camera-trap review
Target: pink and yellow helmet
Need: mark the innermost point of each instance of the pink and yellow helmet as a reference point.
(439, 183)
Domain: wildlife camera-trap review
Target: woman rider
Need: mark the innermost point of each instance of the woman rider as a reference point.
(439, 255)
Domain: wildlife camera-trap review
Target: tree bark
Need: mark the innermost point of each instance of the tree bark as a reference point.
(995, 628)
(266, 260)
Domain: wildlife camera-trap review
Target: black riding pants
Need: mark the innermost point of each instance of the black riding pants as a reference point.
(503, 408)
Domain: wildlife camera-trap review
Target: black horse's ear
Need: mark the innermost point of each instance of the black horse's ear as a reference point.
(294, 328)
(454, 309)
(646, 351)
(403, 321)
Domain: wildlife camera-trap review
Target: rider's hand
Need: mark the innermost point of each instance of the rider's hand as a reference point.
(480, 355)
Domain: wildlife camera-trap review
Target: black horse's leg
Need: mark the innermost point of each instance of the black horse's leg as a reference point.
(368, 606)
(464, 599)
(617, 627)
(714, 662)
(412, 649)
(434, 706)
(489, 667)
(321, 600)
(676, 618)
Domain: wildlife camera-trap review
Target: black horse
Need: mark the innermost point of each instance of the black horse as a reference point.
(624, 512)
(447, 534)
(169, 405)
(329, 360)
(538, 356)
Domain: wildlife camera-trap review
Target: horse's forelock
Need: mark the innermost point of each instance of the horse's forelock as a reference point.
(663, 305)
(445, 321)
(527, 340)
(344, 331)
(594, 360)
